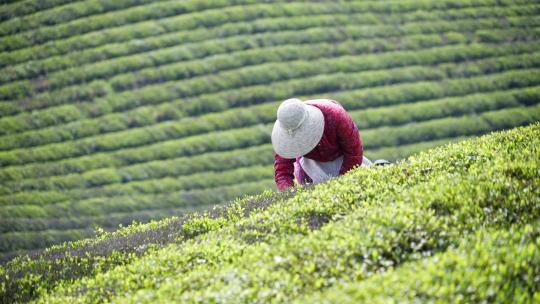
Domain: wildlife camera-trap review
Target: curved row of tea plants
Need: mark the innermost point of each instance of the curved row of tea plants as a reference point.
(97, 206)
(188, 200)
(81, 11)
(469, 272)
(28, 7)
(202, 180)
(214, 161)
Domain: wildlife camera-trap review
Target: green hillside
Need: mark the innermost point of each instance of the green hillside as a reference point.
(114, 111)
(456, 224)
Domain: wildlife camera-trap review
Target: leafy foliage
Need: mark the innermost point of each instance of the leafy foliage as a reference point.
(452, 207)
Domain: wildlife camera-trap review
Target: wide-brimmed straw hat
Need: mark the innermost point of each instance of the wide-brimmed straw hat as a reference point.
(298, 129)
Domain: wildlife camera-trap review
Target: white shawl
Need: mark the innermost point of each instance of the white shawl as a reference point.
(322, 171)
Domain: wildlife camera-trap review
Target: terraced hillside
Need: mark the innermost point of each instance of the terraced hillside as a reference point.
(113, 111)
(456, 224)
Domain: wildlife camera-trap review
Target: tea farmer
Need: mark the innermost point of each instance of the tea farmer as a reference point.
(314, 141)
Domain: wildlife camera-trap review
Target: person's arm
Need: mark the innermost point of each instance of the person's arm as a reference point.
(349, 141)
(284, 172)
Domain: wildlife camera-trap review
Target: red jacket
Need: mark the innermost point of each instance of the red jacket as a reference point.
(340, 137)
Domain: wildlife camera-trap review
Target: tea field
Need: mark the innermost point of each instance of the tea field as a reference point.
(459, 223)
(133, 110)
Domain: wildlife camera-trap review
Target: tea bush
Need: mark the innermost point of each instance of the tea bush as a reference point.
(493, 266)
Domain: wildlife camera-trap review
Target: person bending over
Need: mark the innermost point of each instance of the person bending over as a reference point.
(314, 141)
